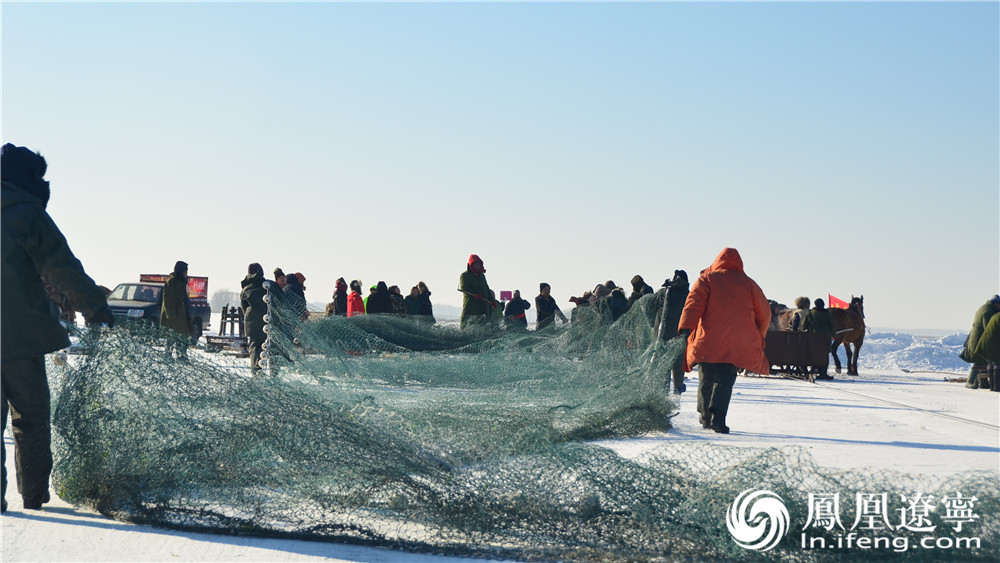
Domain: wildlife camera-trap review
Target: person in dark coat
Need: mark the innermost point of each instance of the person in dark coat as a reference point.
(295, 296)
(426, 307)
(979, 322)
(280, 278)
(515, 313)
(673, 305)
(379, 301)
(32, 246)
(546, 308)
(639, 288)
(820, 319)
(477, 300)
(617, 301)
(397, 303)
(412, 301)
(175, 310)
(338, 307)
(254, 309)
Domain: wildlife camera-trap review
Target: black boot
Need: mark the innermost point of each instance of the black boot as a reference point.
(36, 502)
(719, 425)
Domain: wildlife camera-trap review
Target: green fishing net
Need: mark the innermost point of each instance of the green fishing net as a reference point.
(390, 431)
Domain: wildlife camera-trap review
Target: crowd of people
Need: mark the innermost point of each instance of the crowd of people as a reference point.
(723, 317)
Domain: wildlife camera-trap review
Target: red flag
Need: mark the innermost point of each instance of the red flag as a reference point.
(837, 303)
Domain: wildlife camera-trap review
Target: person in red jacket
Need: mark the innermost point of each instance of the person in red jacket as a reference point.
(725, 318)
(355, 303)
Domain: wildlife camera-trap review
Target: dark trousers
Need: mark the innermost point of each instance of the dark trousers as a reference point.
(715, 389)
(255, 349)
(973, 380)
(24, 388)
(677, 371)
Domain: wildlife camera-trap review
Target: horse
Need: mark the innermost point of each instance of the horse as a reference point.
(781, 316)
(850, 326)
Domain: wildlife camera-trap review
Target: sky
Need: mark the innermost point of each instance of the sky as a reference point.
(842, 148)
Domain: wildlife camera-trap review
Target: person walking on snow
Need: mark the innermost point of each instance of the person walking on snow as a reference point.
(725, 319)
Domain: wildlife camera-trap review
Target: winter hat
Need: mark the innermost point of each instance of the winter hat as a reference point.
(356, 286)
(473, 258)
(180, 267)
(995, 299)
(637, 281)
(302, 279)
(341, 284)
(255, 268)
(542, 286)
(25, 168)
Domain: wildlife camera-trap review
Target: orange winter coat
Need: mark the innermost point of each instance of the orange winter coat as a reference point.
(727, 315)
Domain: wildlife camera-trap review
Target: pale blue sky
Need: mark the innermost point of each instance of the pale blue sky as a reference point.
(842, 148)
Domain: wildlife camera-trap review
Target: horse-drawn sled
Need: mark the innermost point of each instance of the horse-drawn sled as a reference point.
(802, 353)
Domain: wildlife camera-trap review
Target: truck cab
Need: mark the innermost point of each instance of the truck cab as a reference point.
(137, 300)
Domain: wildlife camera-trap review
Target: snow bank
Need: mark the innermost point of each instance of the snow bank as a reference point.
(884, 351)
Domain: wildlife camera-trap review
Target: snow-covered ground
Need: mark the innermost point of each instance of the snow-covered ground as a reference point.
(900, 414)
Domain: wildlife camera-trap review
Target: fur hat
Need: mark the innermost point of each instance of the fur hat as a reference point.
(24, 168)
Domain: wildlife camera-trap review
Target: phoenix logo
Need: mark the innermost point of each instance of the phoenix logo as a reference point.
(758, 520)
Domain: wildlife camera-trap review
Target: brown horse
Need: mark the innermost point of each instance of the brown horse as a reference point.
(781, 316)
(850, 326)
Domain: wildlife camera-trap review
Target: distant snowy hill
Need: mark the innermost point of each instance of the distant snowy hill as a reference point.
(896, 350)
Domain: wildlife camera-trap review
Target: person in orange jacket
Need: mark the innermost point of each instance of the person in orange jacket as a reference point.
(355, 303)
(725, 319)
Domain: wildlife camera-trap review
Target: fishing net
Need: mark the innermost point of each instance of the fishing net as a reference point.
(391, 431)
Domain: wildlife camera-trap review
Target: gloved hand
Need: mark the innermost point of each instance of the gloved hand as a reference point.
(103, 316)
